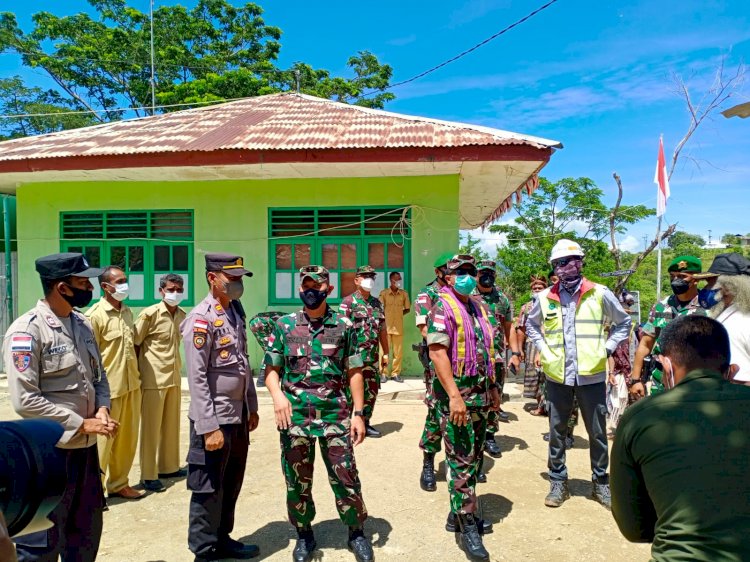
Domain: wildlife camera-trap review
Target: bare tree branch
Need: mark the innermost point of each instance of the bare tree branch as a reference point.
(622, 281)
(612, 218)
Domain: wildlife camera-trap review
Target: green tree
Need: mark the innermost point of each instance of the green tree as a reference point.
(473, 246)
(213, 51)
(17, 99)
(560, 210)
(682, 242)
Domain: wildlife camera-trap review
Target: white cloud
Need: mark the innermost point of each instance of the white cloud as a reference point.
(489, 241)
(629, 244)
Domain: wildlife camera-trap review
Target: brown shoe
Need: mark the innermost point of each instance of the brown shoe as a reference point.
(127, 493)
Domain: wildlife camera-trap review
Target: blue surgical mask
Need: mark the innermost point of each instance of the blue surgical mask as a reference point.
(465, 284)
(709, 298)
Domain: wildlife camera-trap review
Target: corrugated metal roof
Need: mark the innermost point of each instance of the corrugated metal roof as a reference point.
(273, 122)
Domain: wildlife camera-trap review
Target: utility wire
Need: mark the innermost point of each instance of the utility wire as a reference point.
(467, 51)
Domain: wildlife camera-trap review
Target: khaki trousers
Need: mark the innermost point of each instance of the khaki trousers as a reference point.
(116, 455)
(396, 345)
(160, 432)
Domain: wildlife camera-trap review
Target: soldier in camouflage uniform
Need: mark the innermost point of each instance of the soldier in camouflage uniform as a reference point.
(461, 342)
(501, 317)
(431, 435)
(321, 357)
(262, 327)
(367, 314)
(683, 302)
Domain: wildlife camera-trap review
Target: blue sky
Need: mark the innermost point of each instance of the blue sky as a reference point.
(595, 75)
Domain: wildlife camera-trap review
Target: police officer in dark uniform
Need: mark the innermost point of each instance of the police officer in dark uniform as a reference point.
(223, 410)
(55, 373)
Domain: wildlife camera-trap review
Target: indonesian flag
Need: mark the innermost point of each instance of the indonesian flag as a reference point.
(662, 180)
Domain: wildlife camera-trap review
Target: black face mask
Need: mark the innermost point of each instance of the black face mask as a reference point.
(313, 298)
(680, 286)
(80, 297)
(487, 280)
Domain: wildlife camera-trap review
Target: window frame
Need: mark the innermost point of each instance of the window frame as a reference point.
(316, 242)
(148, 244)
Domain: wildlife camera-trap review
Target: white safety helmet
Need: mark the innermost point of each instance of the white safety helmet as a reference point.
(564, 248)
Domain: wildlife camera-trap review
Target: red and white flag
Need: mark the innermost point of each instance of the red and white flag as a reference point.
(662, 180)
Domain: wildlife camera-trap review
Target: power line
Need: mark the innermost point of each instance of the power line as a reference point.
(467, 51)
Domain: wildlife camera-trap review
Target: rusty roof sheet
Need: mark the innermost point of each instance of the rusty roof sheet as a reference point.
(274, 122)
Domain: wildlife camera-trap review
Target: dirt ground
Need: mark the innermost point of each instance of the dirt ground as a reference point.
(405, 522)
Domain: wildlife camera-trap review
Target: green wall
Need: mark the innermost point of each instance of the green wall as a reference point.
(232, 216)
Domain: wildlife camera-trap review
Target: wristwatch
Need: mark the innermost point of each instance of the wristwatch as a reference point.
(635, 381)
(516, 353)
(360, 413)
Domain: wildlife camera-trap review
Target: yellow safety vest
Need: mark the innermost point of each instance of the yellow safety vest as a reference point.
(590, 336)
(461, 334)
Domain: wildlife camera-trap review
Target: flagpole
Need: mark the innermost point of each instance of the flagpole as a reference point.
(658, 260)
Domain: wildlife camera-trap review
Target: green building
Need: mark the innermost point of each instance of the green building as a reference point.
(284, 180)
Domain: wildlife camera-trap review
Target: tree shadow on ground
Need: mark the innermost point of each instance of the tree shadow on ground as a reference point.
(389, 427)
(277, 536)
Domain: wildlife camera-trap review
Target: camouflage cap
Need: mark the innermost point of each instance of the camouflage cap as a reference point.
(487, 264)
(443, 259)
(685, 264)
(461, 259)
(317, 273)
(365, 270)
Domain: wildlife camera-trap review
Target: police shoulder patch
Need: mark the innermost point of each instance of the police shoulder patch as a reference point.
(21, 360)
(199, 340)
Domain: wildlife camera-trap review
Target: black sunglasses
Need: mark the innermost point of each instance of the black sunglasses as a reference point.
(472, 272)
(562, 262)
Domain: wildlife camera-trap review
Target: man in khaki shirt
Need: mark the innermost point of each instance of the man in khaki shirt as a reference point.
(157, 341)
(113, 326)
(396, 303)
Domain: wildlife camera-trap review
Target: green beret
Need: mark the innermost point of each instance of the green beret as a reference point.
(686, 264)
(443, 259)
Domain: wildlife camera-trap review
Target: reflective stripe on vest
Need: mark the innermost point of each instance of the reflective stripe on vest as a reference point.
(590, 337)
(451, 301)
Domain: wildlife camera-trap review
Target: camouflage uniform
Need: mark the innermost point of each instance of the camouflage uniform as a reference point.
(432, 434)
(662, 313)
(262, 326)
(316, 356)
(500, 311)
(463, 444)
(368, 318)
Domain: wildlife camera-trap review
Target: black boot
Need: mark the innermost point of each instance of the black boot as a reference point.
(481, 476)
(306, 545)
(469, 539)
(360, 545)
(484, 526)
(427, 479)
(491, 446)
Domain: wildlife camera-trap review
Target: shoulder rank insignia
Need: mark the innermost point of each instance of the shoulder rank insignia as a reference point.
(225, 340)
(219, 309)
(224, 353)
(218, 323)
(199, 340)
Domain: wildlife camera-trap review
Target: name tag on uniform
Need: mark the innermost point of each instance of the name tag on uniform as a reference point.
(57, 350)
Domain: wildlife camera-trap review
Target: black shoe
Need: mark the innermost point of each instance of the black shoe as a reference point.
(481, 477)
(469, 539)
(600, 492)
(558, 493)
(306, 545)
(212, 554)
(485, 527)
(491, 446)
(361, 546)
(427, 479)
(372, 432)
(181, 473)
(231, 548)
(503, 416)
(153, 486)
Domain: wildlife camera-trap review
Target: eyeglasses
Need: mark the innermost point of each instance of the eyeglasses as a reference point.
(562, 262)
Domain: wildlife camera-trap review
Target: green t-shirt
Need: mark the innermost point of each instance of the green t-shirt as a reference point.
(679, 471)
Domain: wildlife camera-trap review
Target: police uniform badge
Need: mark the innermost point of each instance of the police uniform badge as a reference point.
(682, 265)
(219, 309)
(21, 360)
(225, 340)
(20, 347)
(218, 323)
(224, 353)
(199, 340)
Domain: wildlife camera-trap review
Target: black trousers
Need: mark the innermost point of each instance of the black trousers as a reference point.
(592, 399)
(215, 478)
(77, 520)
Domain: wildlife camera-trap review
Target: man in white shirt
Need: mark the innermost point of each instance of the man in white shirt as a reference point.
(727, 298)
